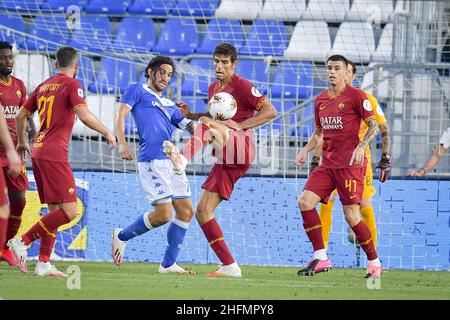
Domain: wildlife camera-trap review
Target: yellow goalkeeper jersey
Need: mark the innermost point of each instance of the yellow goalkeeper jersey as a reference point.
(380, 118)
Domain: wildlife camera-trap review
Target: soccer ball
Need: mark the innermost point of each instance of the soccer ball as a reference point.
(222, 106)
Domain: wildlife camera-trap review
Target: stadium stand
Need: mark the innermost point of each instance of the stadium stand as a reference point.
(135, 35)
(178, 37)
(310, 40)
(222, 30)
(154, 7)
(368, 11)
(61, 5)
(113, 77)
(237, 9)
(293, 80)
(12, 22)
(53, 31)
(94, 35)
(383, 53)
(195, 8)
(198, 76)
(326, 10)
(22, 6)
(289, 10)
(107, 6)
(266, 38)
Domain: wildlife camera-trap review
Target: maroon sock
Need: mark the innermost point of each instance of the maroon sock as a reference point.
(364, 238)
(214, 235)
(313, 228)
(46, 247)
(48, 223)
(3, 228)
(15, 218)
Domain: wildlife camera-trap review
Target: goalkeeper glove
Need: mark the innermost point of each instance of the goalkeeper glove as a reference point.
(385, 166)
(313, 164)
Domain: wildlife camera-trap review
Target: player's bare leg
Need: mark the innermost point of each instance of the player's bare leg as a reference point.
(311, 222)
(213, 233)
(17, 202)
(175, 235)
(364, 238)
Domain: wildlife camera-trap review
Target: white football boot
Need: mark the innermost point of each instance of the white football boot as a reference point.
(118, 247)
(19, 252)
(175, 269)
(179, 161)
(46, 269)
(231, 270)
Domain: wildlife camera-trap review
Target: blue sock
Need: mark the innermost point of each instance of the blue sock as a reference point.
(139, 226)
(175, 236)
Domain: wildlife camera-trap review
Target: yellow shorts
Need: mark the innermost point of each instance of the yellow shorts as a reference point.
(369, 190)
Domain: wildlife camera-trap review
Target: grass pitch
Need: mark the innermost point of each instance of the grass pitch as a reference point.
(142, 281)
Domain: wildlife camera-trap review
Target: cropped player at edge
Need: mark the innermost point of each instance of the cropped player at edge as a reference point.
(58, 99)
(155, 118)
(338, 112)
(233, 144)
(12, 97)
(366, 209)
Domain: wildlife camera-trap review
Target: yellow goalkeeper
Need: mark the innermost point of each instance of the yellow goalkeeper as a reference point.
(384, 165)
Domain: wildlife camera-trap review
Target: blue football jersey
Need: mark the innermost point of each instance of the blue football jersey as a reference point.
(156, 118)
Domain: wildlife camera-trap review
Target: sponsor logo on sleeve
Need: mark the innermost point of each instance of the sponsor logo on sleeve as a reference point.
(256, 92)
(81, 93)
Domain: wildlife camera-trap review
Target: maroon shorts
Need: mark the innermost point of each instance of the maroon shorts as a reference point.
(3, 188)
(349, 183)
(54, 181)
(19, 183)
(222, 178)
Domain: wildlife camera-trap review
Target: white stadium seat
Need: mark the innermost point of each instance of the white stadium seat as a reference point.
(384, 49)
(238, 9)
(32, 69)
(104, 108)
(355, 41)
(310, 40)
(373, 12)
(327, 10)
(283, 10)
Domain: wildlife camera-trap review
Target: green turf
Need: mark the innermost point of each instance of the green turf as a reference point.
(142, 281)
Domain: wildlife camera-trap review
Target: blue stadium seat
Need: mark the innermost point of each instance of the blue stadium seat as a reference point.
(198, 77)
(94, 34)
(135, 35)
(152, 7)
(178, 37)
(62, 5)
(51, 28)
(306, 129)
(254, 71)
(22, 6)
(293, 80)
(266, 37)
(320, 84)
(195, 8)
(107, 6)
(282, 105)
(222, 30)
(86, 71)
(14, 22)
(196, 105)
(114, 76)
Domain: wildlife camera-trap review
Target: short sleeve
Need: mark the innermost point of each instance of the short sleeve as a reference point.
(76, 96)
(445, 139)
(377, 111)
(30, 104)
(253, 97)
(131, 95)
(316, 114)
(363, 106)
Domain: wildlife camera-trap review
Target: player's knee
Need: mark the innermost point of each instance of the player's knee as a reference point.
(186, 215)
(304, 203)
(352, 218)
(202, 215)
(71, 214)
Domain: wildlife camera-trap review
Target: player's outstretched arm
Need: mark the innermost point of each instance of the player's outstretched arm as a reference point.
(92, 122)
(124, 148)
(265, 113)
(431, 162)
(14, 163)
(187, 112)
(312, 143)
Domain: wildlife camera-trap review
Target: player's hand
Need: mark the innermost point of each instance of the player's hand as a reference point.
(314, 164)
(357, 156)
(23, 148)
(111, 140)
(232, 124)
(417, 173)
(184, 109)
(301, 158)
(385, 167)
(125, 151)
(14, 163)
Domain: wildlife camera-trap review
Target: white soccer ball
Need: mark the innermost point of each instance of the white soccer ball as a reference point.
(222, 106)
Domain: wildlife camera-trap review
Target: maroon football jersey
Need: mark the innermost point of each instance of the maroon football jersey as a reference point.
(56, 99)
(248, 98)
(340, 119)
(12, 97)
